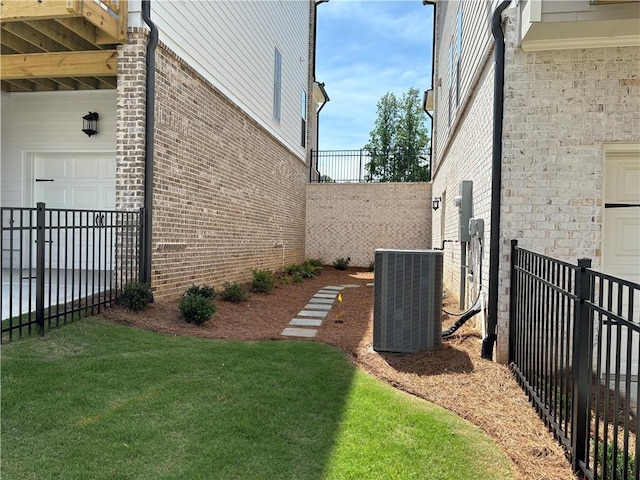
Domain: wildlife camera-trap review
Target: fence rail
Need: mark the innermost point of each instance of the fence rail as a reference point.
(575, 349)
(353, 166)
(58, 264)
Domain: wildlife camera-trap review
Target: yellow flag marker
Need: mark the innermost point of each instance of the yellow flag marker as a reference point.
(339, 297)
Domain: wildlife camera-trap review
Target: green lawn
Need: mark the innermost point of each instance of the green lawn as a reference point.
(94, 400)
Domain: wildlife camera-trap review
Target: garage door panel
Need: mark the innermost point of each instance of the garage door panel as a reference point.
(86, 169)
(80, 181)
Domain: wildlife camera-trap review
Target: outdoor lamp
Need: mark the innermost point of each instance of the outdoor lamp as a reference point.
(436, 202)
(90, 123)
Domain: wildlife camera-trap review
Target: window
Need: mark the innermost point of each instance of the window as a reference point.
(277, 85)
(450, 81)
(303, 115)
(458, 53)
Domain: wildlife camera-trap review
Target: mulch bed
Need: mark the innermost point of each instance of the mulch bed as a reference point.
(453, 375)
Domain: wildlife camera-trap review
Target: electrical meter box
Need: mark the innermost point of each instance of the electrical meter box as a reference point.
(464, 202)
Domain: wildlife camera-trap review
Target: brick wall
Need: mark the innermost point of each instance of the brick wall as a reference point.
(225, 191)
(352, 220)
(561, 109)
(130, 121)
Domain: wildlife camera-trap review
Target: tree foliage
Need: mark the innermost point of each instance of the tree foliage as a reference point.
(398, 143)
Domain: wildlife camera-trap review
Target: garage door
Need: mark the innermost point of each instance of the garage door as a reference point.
(621, 241)
(83, 181)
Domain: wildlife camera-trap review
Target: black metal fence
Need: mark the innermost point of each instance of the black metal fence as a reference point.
(60, 264)
(575, 349)
(339, 166)
(352, 166)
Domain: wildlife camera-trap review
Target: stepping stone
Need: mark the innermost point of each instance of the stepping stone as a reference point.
(305, 322)
(325, 295)
(327, 301)
(309, 313)
(299, 332)
(328, 292)
(333, 287)
(369, 284)
(317, 306)
(350, 286)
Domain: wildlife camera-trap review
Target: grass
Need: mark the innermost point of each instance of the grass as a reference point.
(102, 401)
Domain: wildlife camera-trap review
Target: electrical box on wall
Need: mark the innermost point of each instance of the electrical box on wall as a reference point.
(476, 228)
(464, 202)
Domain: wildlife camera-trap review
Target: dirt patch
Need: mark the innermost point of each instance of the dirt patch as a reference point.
(453, 376)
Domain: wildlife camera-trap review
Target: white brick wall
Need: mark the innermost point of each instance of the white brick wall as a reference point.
(561, 108)
(352, 220)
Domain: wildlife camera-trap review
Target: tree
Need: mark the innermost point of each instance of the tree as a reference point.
(398, 143)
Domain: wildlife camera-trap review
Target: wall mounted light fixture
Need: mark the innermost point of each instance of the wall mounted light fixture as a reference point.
(90, 123)
(436, 202)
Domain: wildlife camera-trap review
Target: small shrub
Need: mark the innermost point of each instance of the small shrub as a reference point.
(204, 291)
(262, 281)
(341, 263)
(232, 292)
(372, 266)
(297, 277)
(310, 268)
(291, 269)
(286, 279)
(196, 308)
(314, 262)
(619, 471)
(135, 296)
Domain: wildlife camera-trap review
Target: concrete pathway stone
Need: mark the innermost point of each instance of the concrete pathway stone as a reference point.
(334, 287)
(326, 301)
(299, 332)
(325, 295)
(317, 306)
(310, 313)
(305, 322)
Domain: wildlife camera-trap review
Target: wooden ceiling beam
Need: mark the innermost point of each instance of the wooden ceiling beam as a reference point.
(111, 29)
(18, 86)
(66, 83)
(17, 44)
(59, 34)
(81, 28)
(94, 63)
(33, 36)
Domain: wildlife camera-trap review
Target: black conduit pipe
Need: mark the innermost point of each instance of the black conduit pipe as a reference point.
(148, 139)
(496, 180)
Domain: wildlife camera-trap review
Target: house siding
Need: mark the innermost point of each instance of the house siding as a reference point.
(225, 190)
(231, 44)
(352, 220)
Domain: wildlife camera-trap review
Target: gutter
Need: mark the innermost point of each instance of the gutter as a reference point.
(426, 93)
(496, 180)
(145, 268)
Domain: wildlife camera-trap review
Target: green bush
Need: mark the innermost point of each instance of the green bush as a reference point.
(196, 308)
(314, 262)
(341, 263)
(618, 472)
(262, 281)
(204, 291)
(286, 279)
(232, 292)
(135, 296)
(372, 266)
(297, 277)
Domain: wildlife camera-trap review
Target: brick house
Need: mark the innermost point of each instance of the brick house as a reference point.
(570, 140)
(220, 158)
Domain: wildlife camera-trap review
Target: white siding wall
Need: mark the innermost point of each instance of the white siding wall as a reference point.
(49, 122)
(232, 43)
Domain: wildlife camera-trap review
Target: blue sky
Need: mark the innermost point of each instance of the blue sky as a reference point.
(365, 49)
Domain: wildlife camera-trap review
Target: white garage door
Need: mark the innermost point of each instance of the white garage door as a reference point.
(621, 242)
(84, 181)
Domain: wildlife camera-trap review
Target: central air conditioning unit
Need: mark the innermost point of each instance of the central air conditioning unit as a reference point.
(407, 311)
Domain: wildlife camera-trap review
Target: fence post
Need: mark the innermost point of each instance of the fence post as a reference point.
(581, 368)
(513, 293)
(40, 242)
(141, 256)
